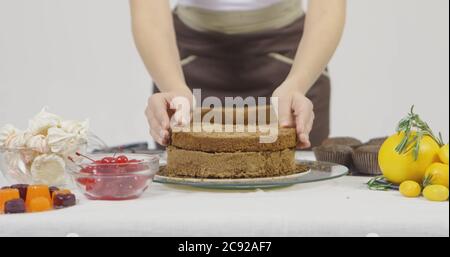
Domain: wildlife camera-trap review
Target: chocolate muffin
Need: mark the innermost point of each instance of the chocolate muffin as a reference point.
(347, 141)
(340, 154)
(365, 159)
(377, 141)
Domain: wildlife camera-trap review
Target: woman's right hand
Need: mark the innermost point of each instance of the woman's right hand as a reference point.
(166, 110)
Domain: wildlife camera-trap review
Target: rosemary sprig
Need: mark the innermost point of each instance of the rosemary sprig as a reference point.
(415, 129)
(427, 181)
(380, 183)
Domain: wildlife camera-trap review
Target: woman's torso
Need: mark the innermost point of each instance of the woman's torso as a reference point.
(238, 16)
(228, 5)
(245, 48)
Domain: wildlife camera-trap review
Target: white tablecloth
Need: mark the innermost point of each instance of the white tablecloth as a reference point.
(341, 207)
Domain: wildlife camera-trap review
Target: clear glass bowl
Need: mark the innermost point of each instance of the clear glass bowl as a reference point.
(100, 181)
(15, 165)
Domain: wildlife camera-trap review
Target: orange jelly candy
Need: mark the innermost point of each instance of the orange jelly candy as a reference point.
(7, 195)
(39, 204)
(37, 191)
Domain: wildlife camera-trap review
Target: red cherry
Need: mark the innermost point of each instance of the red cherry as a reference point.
(108, 160)
(88, 169)
(87, 182)
(122, 159)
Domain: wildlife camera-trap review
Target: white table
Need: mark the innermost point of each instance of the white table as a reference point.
(341, 207)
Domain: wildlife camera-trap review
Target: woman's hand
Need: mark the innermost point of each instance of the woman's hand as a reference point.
(295, 110)
(166, 110)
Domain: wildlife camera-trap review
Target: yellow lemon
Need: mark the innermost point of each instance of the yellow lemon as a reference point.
(437, 174)
(398, 168)
(436, 193)
(443, 154)
(410, 189)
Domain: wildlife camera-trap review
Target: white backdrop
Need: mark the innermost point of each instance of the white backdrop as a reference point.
(78, 58)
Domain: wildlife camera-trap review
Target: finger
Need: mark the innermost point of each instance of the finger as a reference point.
(285, 114)
(148, 114)
(300, 124)
(304, 126)
(165, 137)
(303, 111)
(155, 136)
(182, 107)
(158, 107)
(310, 124)
(150, 117)
(161, 135)
(304, 141)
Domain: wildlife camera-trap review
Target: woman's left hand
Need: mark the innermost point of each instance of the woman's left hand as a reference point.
(295, 110)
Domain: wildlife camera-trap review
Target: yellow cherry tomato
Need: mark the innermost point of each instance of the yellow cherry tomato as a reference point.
(410, 189)
(443, 154)
(398, 168)
(436, 193)
(438, 174)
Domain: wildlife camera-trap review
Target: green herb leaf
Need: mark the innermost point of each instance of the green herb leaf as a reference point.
(413, 123)
(381, 184)
(427, 181)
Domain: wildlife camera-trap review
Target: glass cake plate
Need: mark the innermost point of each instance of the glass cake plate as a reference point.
(318, 171)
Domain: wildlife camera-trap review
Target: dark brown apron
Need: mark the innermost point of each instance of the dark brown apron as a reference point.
(244, 65)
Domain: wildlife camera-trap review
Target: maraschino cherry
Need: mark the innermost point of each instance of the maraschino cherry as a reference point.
(110, 180)
(122, 159)
(117, 164)
(108, 160)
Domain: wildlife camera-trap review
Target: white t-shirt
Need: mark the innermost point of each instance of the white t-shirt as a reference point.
(229, 5)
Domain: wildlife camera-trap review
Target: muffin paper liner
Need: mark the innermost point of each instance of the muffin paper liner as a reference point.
(366, 163)
(341, 158)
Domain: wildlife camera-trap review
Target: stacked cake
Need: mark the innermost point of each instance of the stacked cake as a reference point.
(231, 154)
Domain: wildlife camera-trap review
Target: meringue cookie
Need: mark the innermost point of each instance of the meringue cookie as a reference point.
(27, 155)
(59, 140)
(38, 143)
(18, 141)
(42, 122)
(7, 132)
(79, 128)
(48, 169)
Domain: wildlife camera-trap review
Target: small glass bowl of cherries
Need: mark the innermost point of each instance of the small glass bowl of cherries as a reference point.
(114, 177)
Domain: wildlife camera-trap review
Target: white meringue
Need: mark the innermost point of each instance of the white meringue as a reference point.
(7, 132)
(48, 169)
(27, 155)
(59, 140)
(38, 143)
(18, 141)
(42, 122)
(80, 128)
